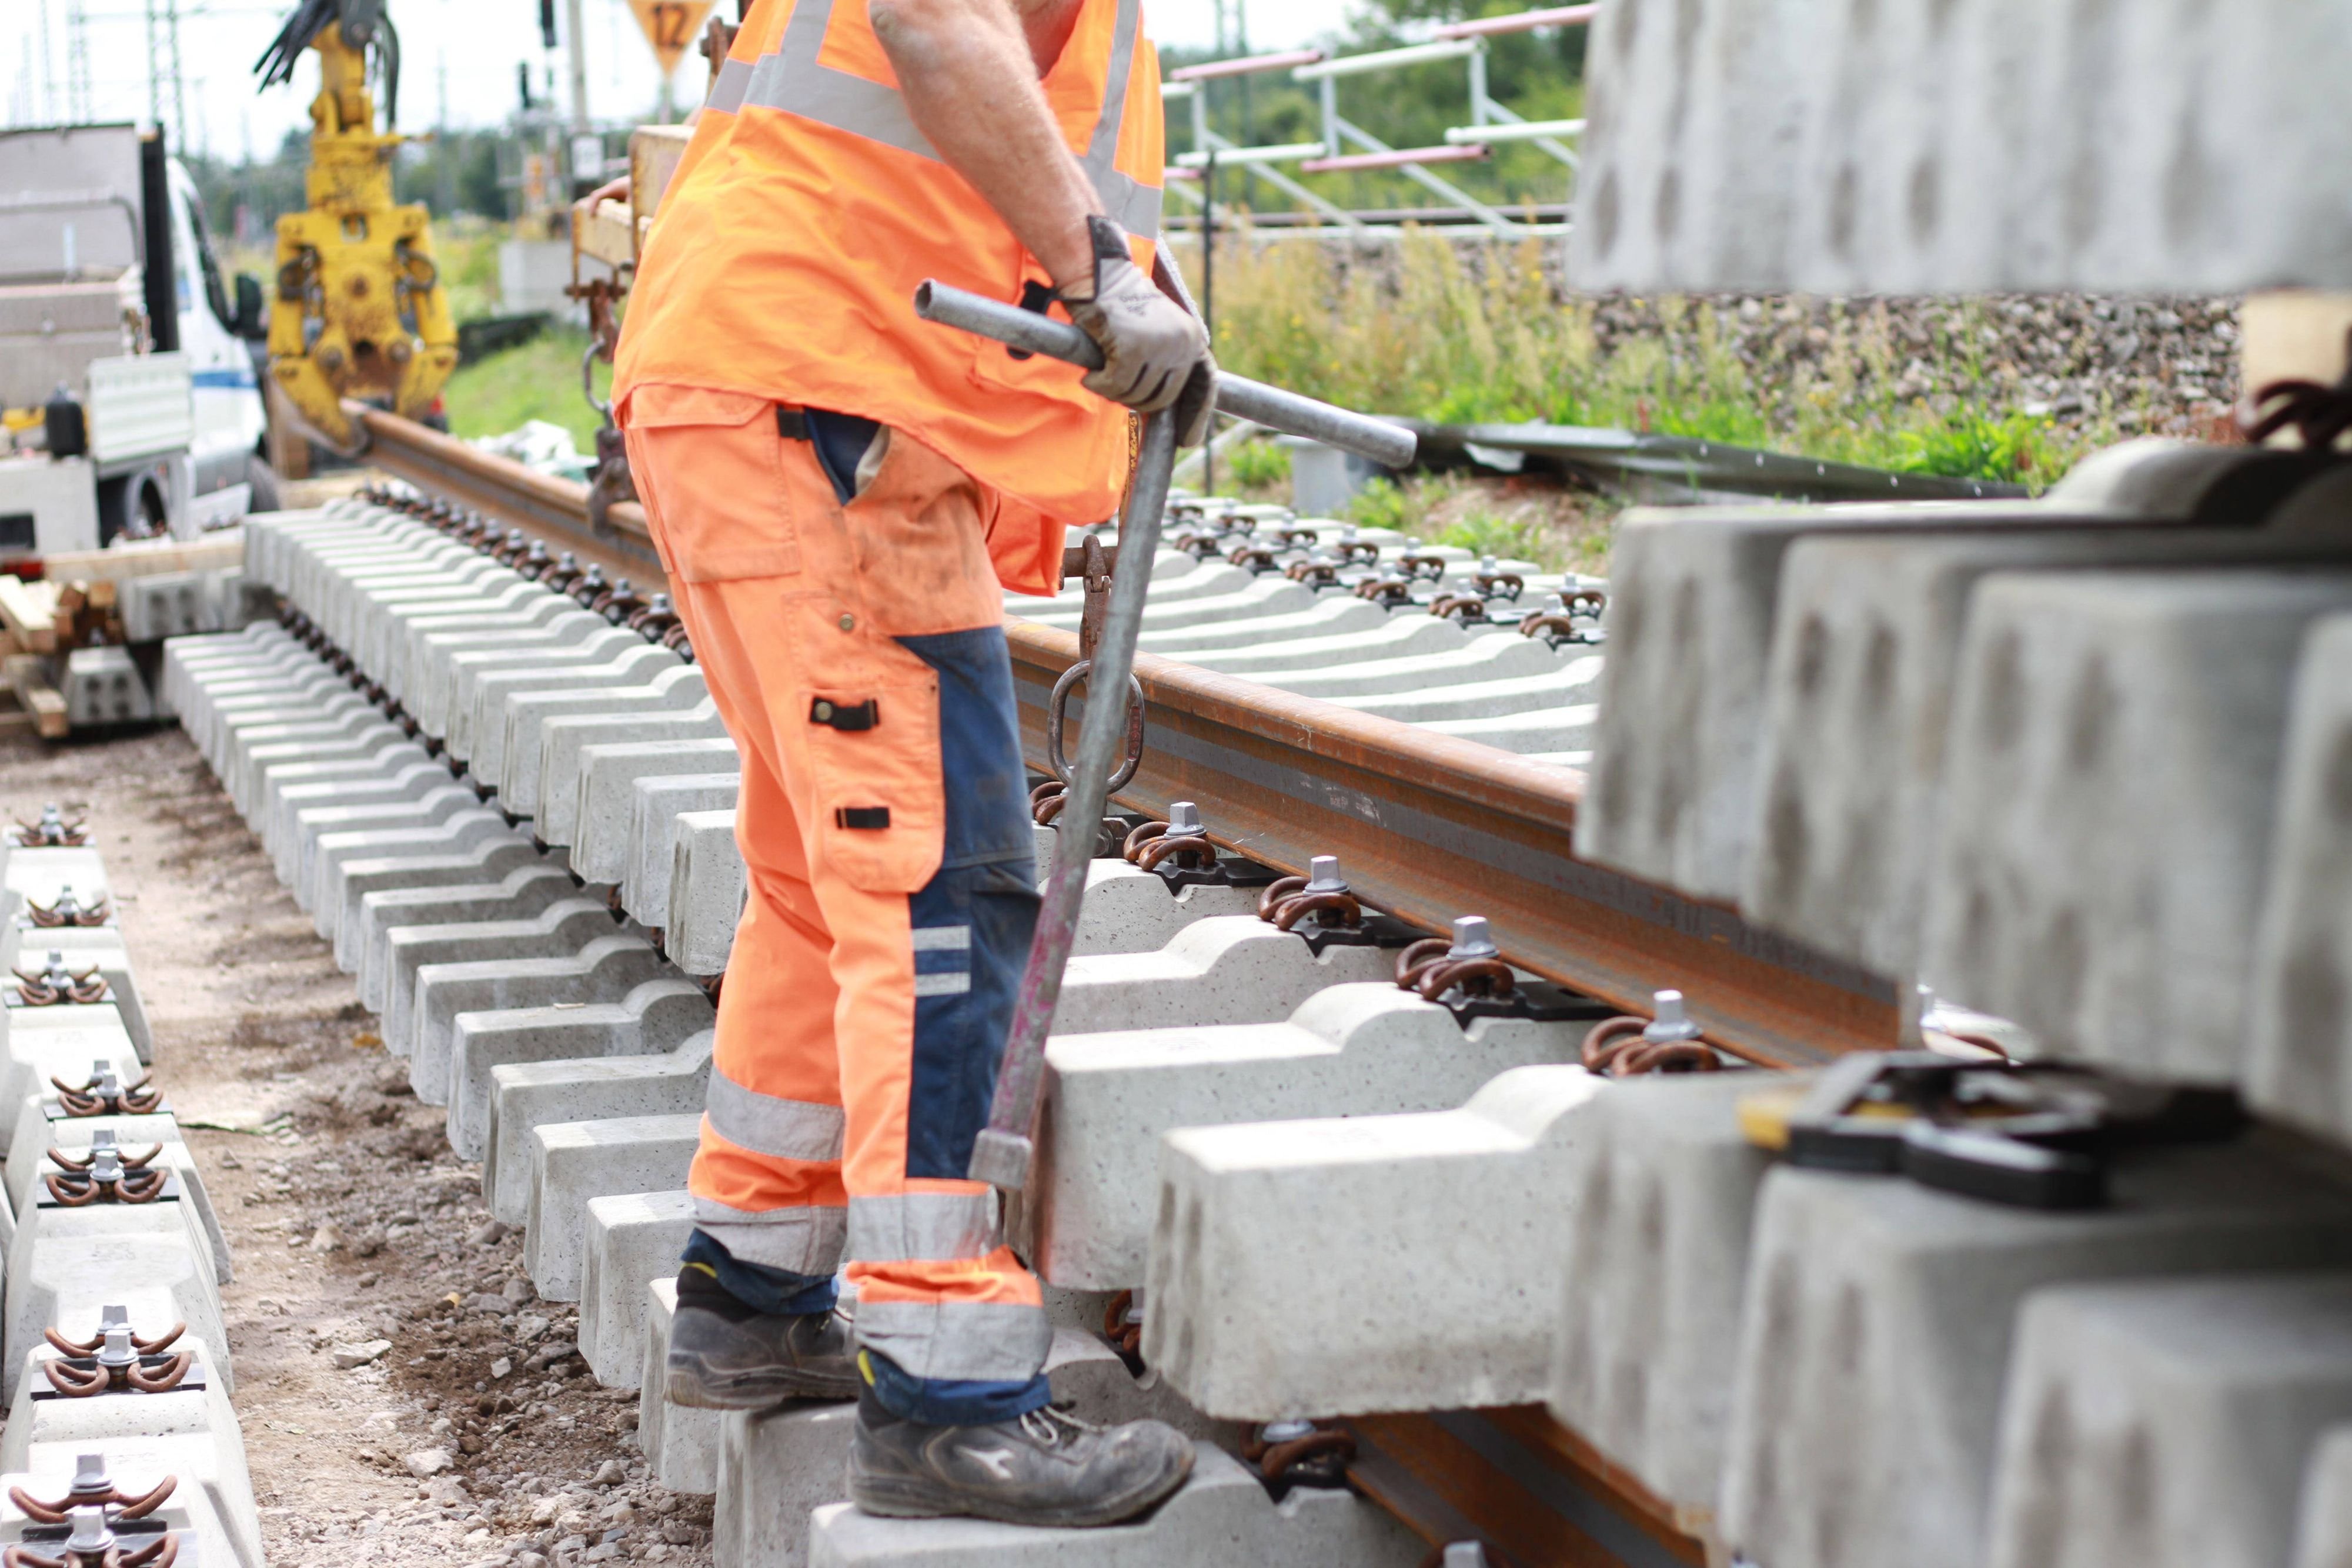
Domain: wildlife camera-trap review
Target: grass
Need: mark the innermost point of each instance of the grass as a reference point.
(1429, 335)
(540, 380)
(467, 250)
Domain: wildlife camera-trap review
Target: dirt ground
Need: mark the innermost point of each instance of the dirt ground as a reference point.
(407, 1398)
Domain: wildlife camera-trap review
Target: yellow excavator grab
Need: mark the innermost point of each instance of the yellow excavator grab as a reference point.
(359, 310)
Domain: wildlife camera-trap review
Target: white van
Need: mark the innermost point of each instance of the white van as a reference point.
(113, 307)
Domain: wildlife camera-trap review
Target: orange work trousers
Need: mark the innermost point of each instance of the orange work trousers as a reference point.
(855, 652)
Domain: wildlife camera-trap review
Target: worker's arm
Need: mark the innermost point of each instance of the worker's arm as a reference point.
(970, 86)
(969, 72)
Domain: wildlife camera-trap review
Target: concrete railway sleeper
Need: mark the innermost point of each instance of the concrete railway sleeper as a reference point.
(120, 1444)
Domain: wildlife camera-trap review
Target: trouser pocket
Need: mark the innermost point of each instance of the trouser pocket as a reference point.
(870, 711)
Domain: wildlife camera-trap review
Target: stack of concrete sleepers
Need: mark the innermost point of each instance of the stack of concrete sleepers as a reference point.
(2078, 762)
(118, 1375)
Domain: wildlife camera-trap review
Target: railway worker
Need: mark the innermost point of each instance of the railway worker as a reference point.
(837, 490)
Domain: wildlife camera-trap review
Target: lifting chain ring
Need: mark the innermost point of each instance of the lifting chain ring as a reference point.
(1056, 719)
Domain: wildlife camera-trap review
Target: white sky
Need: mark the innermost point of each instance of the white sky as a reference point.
(476, 43)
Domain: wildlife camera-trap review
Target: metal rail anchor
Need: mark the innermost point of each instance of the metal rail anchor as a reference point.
(1003, 1154)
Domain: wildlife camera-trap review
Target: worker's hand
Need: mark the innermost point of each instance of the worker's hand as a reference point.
(612, 190)
(1155, 352)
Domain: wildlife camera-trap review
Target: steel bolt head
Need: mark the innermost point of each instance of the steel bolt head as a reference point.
(90, 1474)
(108, 1317)
(91, 1537)
(117, 1350)
(1183, 819)
(1472, 939)
(1323, 875)
(1284, 1431)
(1671, 1021)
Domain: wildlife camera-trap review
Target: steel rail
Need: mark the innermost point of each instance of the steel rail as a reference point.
(506, 489)
(1427, 826)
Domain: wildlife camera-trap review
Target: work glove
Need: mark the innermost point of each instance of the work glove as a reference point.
(1155, 352)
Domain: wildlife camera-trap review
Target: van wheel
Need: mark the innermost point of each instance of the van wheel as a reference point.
(130, 506)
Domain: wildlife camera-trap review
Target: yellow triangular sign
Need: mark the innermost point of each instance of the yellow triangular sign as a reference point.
(670, 26)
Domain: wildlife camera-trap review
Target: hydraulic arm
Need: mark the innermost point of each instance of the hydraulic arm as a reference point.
(359, 309)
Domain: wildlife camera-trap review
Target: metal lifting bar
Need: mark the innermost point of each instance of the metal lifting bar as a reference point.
(1003, 1154)
(1388, 444)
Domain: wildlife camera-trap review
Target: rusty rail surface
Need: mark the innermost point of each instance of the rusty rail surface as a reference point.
(1426, 826)
(506, 489)
(1429, 826)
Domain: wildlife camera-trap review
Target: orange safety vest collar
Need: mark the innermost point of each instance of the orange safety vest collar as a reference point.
(784, 257)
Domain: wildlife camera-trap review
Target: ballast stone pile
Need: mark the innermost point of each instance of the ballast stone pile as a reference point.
(77, 1268)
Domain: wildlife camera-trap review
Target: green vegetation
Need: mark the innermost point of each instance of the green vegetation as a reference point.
(1256, 466)
(467, 250)
(540, 380)
(1427, 333)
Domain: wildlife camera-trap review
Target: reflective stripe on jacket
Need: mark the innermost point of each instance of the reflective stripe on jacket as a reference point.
(786, 251)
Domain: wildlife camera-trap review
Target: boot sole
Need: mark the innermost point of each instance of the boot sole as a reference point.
(696, 1388)
(903, 1497)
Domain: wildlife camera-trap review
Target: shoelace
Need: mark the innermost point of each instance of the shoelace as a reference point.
(1050, 1423)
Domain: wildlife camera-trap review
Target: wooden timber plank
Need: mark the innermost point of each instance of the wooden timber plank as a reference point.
(146, 557)
(29, 611)
(27, 674)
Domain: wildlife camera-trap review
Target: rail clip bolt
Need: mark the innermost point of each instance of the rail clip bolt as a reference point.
(1472, 939)
(91, 1541)
(1671, 1022)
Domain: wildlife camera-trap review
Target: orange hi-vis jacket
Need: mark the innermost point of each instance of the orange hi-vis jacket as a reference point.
(784, 257)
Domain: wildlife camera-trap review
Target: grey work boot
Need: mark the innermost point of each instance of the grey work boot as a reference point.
(751, 1361)
(1046, 1467)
